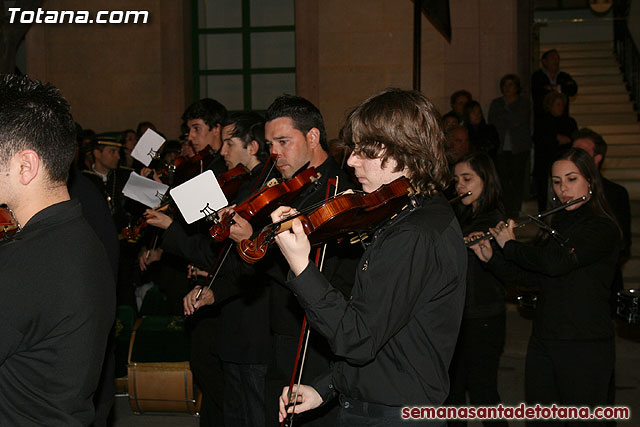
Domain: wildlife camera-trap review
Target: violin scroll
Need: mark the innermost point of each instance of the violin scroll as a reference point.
(256, 207)
(8, 224)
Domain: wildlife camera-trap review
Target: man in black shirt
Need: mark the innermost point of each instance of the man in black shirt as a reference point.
(617, 196)
(241, 336)
(550, 78)
(110, 178)
(58, 293)
(395, 336)
(295, 132)
(205, 119)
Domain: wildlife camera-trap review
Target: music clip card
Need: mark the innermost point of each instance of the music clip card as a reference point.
(147, 147)
(144, 190)
(199, 197)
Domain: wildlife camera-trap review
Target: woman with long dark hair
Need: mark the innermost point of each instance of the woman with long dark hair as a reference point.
(571, 351)
(474, 368)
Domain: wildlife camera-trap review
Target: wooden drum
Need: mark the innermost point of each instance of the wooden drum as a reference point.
(159, 378)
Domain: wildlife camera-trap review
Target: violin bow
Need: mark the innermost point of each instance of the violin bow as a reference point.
(272, 159)
(305, 331)
(222, 257)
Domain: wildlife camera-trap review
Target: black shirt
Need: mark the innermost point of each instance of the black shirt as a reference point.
(339, 266)
(539, 81)
(574, 278)
(96, 212)
(56, 310)
(201, 248)
(618, 198)
(243, 330)
(483, 137)
(396, 335)
(485, 292)
(123, 210)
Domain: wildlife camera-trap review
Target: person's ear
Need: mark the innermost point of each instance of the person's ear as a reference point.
(253, 147)
(313, 138)
(597, 159)
(28, 166)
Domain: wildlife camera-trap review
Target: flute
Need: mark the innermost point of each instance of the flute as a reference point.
(488, 235)
(460, 197)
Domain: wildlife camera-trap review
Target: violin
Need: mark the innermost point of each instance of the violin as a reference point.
(346, 213)
(231, 181)
(8, 224)
(256, 205)
(132, 232)
(165, 169)
(187, 168)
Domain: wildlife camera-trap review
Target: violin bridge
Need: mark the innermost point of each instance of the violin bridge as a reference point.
(272, 182)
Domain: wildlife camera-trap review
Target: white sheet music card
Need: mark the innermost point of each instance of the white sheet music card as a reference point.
(147, 147)
(199, 197)
(144, 190)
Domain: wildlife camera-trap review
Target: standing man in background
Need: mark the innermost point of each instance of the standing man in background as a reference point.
(550, 78)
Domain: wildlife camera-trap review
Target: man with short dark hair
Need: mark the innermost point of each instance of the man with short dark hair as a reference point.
(617, 196)
(58, 293)
(110, 178)
(243, 141)
(458, 144)
(205, 119)
(458, 100)
(238, 339)
(449, 120)
(296, 135)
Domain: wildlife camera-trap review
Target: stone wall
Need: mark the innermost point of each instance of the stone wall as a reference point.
(116, 75)
(364, 46)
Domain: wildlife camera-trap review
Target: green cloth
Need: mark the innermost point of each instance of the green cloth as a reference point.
(125, 319)
(161, 339)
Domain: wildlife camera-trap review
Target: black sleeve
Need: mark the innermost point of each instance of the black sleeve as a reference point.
(567, 84)
(356, 329)
(618, 198)
(625, 225)
(323, 384)
(593, 241)
(494, 117)
(235, 277)
(510, 272)
(96, 212)
(198, 249)
(539, 81)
